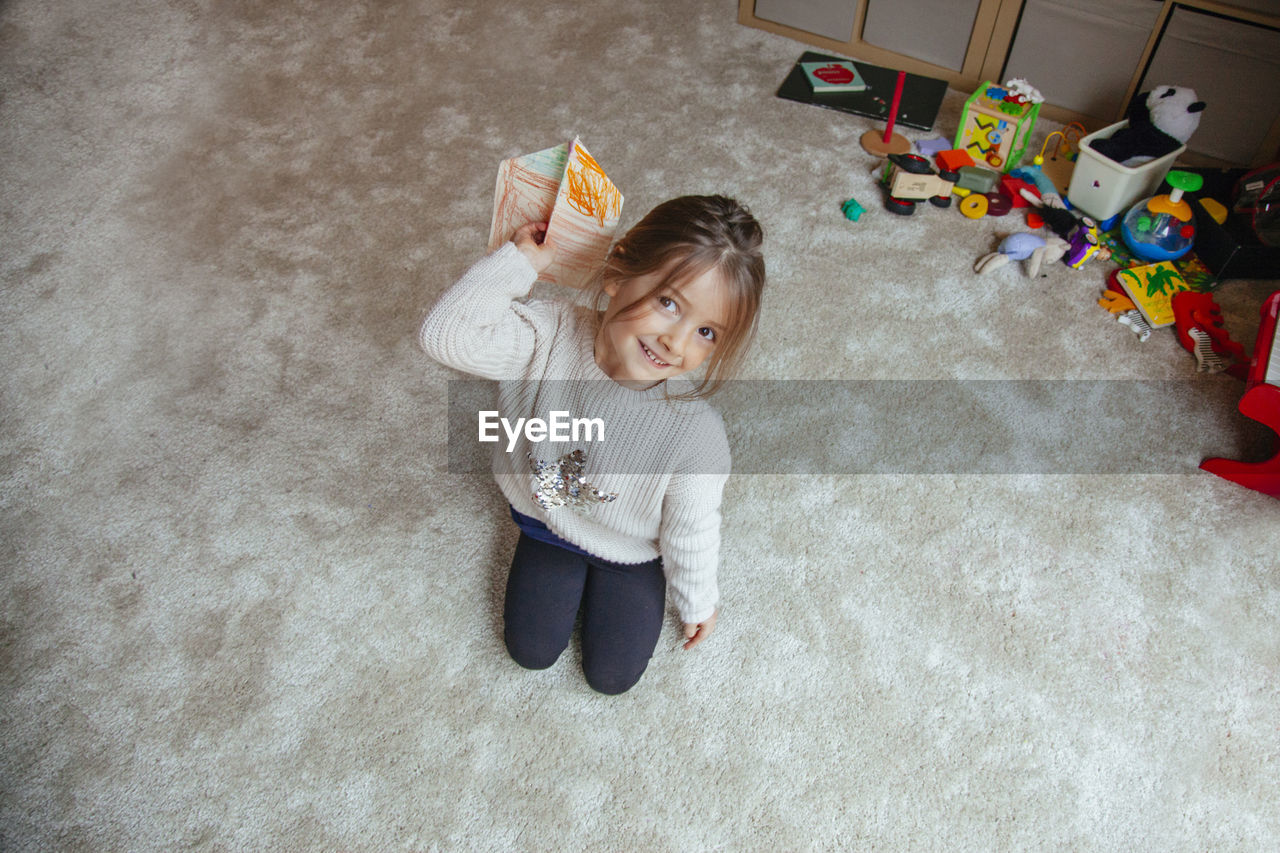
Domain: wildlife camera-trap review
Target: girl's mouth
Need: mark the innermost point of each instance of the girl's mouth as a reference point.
(653, 359)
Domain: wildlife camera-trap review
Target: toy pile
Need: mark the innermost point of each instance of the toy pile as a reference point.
(1087, 198)
(1098, 196)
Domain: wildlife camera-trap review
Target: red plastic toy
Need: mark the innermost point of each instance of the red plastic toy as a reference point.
(1010, 186)
(954, 160)
(1195, 310)
(1261, 402)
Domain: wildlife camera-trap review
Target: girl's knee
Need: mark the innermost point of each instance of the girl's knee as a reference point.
(531, 654)
(611, 682)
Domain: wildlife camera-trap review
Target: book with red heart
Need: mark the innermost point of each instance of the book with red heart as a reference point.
(833, 76)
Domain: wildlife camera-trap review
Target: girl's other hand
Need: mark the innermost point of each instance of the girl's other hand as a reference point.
(697, 632)
(531, 240)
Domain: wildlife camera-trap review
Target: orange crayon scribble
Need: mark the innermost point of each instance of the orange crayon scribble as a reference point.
(589, 191)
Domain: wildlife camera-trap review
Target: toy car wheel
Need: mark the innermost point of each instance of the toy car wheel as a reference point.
(911, 163)
(900, 206)
(948, 175)
(940, 200)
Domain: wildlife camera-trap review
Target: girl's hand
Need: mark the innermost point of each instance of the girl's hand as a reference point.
(531, 240)
(697, 632)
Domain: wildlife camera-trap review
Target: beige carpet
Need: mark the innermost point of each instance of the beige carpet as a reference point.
(248, 606)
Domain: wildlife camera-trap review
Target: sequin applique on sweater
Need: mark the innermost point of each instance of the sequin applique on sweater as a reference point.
(560, 483)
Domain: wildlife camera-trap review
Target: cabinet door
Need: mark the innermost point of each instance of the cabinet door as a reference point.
(832, 19)
(936, 31)
(945, 39)
(1234, 67)
(1082, 54)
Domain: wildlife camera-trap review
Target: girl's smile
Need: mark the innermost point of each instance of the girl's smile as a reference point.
(670, 331)
(653, 358)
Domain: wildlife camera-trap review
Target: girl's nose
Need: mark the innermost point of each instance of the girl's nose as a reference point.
(673, 342)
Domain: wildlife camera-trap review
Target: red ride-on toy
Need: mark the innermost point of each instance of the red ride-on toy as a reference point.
(910, 178)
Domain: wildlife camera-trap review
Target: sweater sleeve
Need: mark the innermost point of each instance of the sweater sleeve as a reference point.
(690, 533)
(477, 326)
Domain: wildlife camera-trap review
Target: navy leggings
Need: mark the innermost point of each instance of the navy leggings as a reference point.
(622, 610)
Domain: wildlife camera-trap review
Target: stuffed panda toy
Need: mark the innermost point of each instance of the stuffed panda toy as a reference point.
(1159, 122)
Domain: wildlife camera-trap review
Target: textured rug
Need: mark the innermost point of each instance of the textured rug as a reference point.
(249, 605)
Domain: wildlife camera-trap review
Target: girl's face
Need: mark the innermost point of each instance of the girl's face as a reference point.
(671, 332)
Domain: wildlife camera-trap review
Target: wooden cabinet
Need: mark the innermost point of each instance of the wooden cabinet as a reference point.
(1082, 54)
(1234, 66)
(1088, 57)
(829, 19)
(946, 39)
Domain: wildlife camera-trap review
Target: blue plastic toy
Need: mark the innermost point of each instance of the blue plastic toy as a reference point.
(1162, 227)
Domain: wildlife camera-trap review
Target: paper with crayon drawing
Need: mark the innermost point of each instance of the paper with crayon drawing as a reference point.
(566, 187)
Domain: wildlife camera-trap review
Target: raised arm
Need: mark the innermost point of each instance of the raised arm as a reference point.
(477, 326)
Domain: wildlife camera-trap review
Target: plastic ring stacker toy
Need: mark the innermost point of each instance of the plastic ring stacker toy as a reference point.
(998, 204)
(974, 206)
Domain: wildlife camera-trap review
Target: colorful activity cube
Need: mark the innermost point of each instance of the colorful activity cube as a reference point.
(995, 126)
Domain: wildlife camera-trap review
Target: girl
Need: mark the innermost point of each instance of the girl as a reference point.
(609, 521)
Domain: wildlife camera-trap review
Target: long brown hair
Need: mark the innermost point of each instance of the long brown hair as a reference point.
(687, 236)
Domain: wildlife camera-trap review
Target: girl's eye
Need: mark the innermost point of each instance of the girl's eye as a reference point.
(708, 333)
(667, 302)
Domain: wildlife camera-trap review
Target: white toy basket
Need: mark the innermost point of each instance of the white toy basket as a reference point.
(1101, 187)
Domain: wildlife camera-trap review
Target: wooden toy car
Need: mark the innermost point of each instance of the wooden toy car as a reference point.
(910, 178)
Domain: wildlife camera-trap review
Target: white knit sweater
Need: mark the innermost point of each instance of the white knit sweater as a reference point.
(666, 461)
